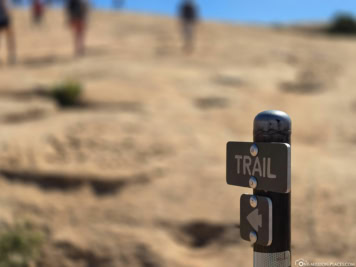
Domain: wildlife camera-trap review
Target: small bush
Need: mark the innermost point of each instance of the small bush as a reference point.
(19, 246)
(343, 24)
(67, 93)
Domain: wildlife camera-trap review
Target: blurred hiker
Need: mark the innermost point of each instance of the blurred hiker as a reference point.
(188, 14)
(37, 11)
(77, 11)
(6, 27)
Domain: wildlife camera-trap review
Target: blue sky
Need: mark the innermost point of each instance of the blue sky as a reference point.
(247, 11)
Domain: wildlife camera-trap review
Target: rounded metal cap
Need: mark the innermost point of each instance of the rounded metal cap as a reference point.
(272, 126)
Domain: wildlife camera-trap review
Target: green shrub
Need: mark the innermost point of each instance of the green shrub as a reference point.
(19, 246)
(67, 93)
(343, 24)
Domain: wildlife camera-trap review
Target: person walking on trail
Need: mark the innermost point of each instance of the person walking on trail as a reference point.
(77, 11)
(37, 11)
(188, 14)
(6, 27)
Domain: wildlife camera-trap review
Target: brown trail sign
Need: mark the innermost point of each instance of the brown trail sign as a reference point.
(270, 166)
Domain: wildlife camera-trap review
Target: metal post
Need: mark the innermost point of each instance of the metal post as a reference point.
(275, 126)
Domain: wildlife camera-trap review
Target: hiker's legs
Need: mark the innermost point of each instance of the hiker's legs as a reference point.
(11, 45)
(188, 36)
(81, 38)
(1, 32)
(79, 35)
(37, 14)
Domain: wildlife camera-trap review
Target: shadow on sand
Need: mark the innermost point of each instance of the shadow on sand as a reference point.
(45, 61)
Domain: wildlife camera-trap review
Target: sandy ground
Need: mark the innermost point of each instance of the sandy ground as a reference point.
(138, 177)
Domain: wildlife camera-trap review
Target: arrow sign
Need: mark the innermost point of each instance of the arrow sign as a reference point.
(255, 219)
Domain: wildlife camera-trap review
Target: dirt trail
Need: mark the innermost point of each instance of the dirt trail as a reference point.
(137, 176)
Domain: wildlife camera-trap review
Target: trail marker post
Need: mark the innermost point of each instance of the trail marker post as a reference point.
(265, 166)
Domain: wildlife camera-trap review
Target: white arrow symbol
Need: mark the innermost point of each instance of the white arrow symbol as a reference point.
(255, 219)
